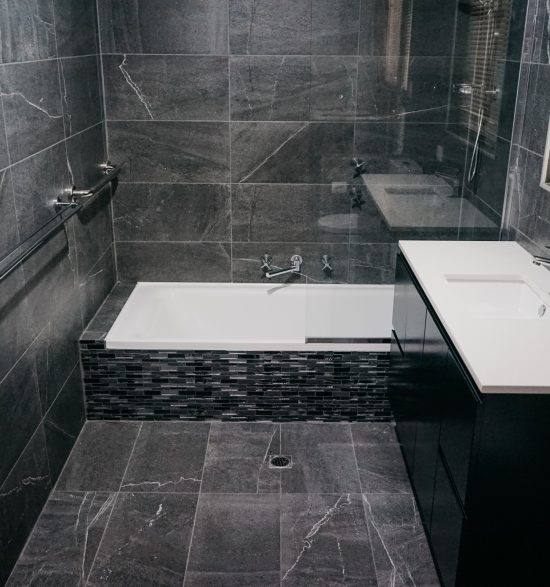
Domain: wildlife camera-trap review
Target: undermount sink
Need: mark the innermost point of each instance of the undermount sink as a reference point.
(498, 296)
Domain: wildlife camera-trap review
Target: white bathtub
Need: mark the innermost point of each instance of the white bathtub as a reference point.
(254, 317)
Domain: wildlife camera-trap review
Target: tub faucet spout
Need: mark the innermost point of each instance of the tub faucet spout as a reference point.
(296, 263)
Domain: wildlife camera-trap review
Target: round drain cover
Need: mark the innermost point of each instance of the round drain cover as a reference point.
(280, 461)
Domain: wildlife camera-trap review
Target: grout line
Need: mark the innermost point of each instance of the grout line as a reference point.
(197, 506)
(365, 515)
(117, 493)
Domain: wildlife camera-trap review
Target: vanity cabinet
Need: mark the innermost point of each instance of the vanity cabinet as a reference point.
(478, 463)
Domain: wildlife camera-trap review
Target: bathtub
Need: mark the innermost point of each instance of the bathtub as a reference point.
(254, 317)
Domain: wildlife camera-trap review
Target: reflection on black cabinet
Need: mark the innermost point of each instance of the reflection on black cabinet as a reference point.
(478, 464)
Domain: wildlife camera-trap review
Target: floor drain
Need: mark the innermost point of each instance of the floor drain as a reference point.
(280, 462)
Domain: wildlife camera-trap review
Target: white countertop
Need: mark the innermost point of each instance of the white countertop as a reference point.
(408, 202)
(503, 354)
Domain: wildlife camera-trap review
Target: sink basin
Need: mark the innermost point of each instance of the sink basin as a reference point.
(507, 296)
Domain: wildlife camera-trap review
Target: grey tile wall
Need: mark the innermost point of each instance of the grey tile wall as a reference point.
(238, 120)
(51, 136)
(528, 219)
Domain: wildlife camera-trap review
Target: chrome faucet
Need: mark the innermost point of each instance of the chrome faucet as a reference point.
(541, 260)
(296, 263)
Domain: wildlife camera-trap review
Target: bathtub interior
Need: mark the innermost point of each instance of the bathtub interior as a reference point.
(247, 317)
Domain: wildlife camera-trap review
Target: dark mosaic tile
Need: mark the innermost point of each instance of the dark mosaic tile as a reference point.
(64, 543)
(146, 541)
(323, 459)
(99, 458)
(234, 386)
(243, 531)
(237, 460)
(325, 541)
(168, 457)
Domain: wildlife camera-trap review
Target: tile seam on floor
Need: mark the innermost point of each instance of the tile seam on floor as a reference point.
(197, 505)
(365, 515)
(117, 493)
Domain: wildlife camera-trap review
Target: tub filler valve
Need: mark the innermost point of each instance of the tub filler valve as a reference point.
(267, 263)
(296, 264)
(326, 266)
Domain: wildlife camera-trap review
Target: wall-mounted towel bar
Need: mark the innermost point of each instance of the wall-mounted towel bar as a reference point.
(65, 210)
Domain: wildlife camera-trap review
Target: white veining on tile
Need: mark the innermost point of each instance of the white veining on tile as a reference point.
(137, 90)
(342, 501)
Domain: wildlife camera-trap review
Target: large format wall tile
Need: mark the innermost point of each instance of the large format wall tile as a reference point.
(166, 87)
(81, 93)
(9, 236)
(290, 213)
(185, 152)
(270, 88)
(26, 30)
(166, 261)
(299, 27)
(263, 27)
(19, 409)
(22, 496)
(32, 107)
(291, 152)
(171, 26)
(423, 98)
(37, 182)
(4, 157)
(75, 27)
(172, 212)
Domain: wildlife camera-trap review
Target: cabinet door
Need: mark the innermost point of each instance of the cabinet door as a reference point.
(446, 526)
(434, 359)
(458, 411)
(403, 285)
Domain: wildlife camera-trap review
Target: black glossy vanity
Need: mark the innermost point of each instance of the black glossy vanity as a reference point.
(479, 463)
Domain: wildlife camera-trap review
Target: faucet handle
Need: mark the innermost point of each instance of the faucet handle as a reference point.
(267, 262)
(327, 267)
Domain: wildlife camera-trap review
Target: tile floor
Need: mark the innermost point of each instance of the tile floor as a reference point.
(196, 504)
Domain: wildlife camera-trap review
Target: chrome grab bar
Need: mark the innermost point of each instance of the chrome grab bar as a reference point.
(65, 210)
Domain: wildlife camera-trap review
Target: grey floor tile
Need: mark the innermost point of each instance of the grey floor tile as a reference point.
(325, 541)
(373, 433)
(146, 541)
(382, 469)
(323, 459)
(237, 458)
(401, 553)
(99, 458)
(235, 542)
(64, 542)
(168, 457)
